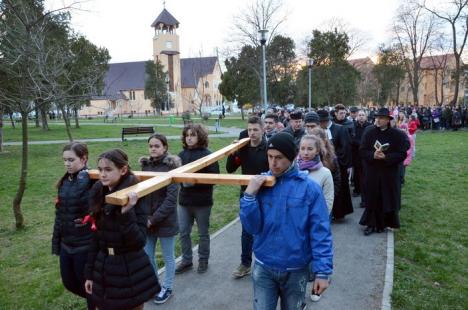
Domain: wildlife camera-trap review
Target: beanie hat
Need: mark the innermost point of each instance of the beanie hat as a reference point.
(284, 143)
(311, 117)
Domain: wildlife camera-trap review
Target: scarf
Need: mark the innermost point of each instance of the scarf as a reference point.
(311, 165)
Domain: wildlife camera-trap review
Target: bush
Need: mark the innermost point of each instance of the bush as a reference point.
(206, 116)
(186, 116)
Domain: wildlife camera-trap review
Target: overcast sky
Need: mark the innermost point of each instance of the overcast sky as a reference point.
(123, 26)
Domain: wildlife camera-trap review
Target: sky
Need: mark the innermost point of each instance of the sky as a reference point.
(124, 26)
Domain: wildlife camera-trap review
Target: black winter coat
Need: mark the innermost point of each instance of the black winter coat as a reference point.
(122, 275)
(356, 142)
(163, 202)
(71, 207)
(197, 195)
(342, 142)
(296, 134)
(382, 177)
(252, 160)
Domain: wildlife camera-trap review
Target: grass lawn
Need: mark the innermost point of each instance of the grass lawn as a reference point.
(86, 131)
(29, 274)
(431, 266)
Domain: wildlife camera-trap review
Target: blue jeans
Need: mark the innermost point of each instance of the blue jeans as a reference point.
(247, 245)
(167, 247)
(269, 284)
(72, 272)
(186, 217)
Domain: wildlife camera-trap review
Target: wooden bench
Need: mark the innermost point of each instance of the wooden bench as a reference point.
(136, 131)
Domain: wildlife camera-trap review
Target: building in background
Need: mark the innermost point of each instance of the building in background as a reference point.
(192, 82)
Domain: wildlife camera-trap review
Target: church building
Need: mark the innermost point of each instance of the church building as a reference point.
(191, 82)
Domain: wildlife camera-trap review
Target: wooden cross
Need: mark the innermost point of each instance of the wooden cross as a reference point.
(152, 181)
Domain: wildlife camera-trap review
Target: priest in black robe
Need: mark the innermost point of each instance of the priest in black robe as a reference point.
(382, 150)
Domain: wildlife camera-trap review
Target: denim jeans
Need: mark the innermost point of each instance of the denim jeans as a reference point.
(269, 284)
(72, 272)
(167, 247)
(247, 245)
(186, 217)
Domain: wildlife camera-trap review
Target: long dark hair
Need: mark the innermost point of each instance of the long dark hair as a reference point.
(80, 149)
(118, 157)
(161, 138)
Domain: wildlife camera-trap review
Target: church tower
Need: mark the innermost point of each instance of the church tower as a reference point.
(166, 50)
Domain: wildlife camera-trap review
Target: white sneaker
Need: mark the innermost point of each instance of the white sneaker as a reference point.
(314, 297)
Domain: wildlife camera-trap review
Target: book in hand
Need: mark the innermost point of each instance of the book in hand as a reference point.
(381, 147)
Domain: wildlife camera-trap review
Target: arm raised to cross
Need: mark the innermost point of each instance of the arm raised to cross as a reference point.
(152, 181)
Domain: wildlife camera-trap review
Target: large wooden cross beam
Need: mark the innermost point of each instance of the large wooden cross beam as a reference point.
(152, 181)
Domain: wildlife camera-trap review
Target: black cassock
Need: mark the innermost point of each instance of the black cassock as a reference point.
(341, 140)
(381, 177)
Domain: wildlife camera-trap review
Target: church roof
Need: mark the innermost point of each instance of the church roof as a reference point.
(192, 69)
(166, 19)
(131, 75)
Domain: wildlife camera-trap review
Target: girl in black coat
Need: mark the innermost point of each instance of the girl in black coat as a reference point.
(71, 238)
(162, 222)
(118, 272)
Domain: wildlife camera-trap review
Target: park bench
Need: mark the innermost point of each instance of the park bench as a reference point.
(136, 131)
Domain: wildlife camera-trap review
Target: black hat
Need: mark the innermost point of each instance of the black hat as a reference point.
(384, 112)
(295, 114)
(284, 143)
(353, 109)
(311, 117)
(324, 115)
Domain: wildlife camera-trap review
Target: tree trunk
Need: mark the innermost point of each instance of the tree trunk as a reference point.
(454, 100)
(12, 120)
(67, 123)
(45, 123)
(1, 130)
(36, 116)
(242, 111)
(77, 123)
(19, 219)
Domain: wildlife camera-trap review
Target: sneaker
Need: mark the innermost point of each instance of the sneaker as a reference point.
(241, 271)
(163, 296)
(183, 267)
(202, 267)
(315, 297)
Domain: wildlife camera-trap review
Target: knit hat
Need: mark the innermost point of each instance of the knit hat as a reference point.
(353, 109)
(284, 143)
(311, 117)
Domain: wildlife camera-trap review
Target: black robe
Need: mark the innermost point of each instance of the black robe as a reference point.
(381, 177)
(342, 204)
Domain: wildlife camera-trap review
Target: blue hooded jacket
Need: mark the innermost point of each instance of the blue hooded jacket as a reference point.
(290, 224)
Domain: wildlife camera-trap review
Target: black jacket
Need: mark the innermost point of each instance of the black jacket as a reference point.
(163, 202)
(197, 195)
(252, 160)
(348, 124)
(296, 134)
(122, 275)
(342, 143)
(71, 207)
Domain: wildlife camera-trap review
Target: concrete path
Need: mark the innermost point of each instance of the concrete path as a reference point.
(225, 132)
(357, 283)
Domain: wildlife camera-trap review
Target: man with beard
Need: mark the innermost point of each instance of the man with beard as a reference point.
(341, 140)
(383, 149)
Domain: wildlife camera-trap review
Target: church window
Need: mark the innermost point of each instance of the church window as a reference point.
(207, 85)
(168, 44)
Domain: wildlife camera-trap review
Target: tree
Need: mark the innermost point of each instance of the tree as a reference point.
(281, 70)
(389, 72)
(240, 81)
(334, 79)
(155, 85)
(456, 16)
(414, 31)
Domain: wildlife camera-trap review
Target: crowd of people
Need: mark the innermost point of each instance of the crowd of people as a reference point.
(321, 159)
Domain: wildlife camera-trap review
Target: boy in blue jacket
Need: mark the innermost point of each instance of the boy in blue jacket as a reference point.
(291, 229)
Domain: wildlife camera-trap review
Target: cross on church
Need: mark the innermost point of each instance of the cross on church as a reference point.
(152, 181)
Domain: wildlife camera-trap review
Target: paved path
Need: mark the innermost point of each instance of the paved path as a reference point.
(225, 132)
(359, 272)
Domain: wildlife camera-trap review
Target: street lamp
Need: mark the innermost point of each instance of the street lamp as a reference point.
(310, 63)
(167, 91)
(263, 33)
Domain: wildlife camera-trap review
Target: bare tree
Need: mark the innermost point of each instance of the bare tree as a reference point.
(414, 31)
(455, 14)
(357, 38)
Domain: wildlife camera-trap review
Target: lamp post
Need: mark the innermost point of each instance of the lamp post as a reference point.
(167, 80)
(263, 33)
(310, 63)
